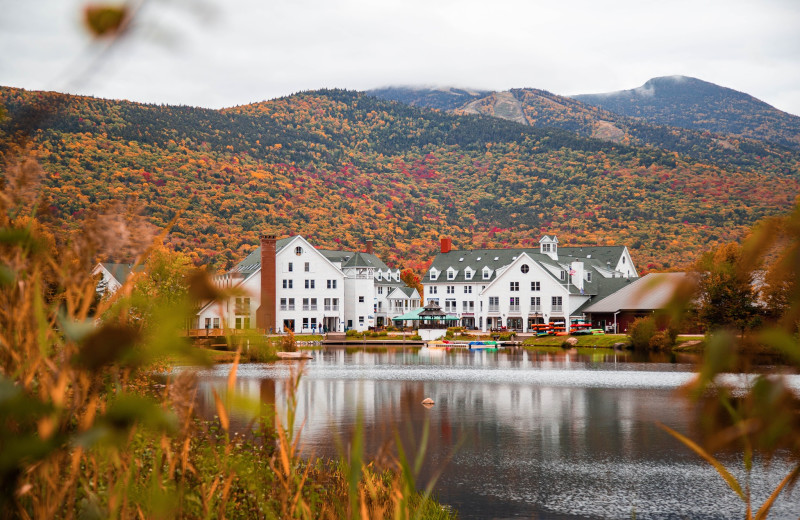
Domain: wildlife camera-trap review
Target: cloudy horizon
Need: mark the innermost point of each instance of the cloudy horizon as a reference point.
(215, 54)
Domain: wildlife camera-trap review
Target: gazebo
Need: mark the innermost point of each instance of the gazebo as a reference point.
(429, 317)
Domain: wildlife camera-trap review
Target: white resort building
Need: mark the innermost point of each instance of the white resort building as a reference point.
(288, 284)
(517, 289)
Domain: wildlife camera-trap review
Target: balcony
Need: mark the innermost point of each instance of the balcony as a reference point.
(536, 309)
(513, 308)
(558, 308)
(334, 308)
(494, 308)
(287, 307)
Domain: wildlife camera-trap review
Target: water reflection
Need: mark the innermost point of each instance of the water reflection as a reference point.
(550, 435)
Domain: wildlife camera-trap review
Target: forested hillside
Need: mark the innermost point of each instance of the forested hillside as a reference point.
(339, 167)
(700, 105)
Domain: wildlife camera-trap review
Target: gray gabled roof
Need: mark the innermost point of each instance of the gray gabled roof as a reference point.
(610, 254)
(406, 290)
(650, 292)
(120, 272)
(494, 259)
(252, 262)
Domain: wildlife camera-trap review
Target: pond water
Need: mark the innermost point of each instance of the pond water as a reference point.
(517, 434)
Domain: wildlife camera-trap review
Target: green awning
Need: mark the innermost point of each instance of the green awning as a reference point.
(414, 315)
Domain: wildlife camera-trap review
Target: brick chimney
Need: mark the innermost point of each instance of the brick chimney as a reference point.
(447, 245)
(370, 244)
(266, 313)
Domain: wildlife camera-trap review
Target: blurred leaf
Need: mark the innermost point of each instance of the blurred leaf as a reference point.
(783, 342)
(763, 511)
(110, 344)
(105, 20)
(74, 330)
(7, 276)
(128, 410)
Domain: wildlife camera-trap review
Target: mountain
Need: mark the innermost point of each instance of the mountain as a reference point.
(544, 109)
(339, 167)
(699, 105)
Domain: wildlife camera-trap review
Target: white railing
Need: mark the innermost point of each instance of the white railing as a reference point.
(513, 308)
(558, 308)
(494, 308)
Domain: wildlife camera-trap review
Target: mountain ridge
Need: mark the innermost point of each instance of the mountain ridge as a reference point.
(341, 166)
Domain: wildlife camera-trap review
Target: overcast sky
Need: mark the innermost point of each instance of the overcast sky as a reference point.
(218, 53)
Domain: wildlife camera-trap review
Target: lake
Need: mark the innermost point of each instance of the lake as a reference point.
(515, 433)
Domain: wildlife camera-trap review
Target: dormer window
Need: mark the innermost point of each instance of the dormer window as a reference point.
(487, 273)
(451, 273)
(588, 276)
(378, 275)
(468, 273)
(545, 248)
(434, 274)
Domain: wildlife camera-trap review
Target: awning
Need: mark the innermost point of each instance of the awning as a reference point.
(414, 316)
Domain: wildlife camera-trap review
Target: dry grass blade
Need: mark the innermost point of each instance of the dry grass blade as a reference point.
(723, 472)
(221, 411)
(763, 511)
(232, 373)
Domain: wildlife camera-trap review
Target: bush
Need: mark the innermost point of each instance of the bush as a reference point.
(352, 333)
(288, 344)
(508, 336)
(415, 337)
(641, 332)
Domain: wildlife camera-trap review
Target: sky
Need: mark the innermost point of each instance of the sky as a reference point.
(221, 53)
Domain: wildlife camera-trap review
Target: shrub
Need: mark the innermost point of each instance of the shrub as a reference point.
(352, 333)
(415, 337)
(288, 344)
(641, 332)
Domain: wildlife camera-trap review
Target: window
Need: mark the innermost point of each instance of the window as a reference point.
(557, 304)
(434, 289)
(545, 248)
(216, 323)
(380, 290)
(467, 289)
(305, 323)
(494, 303)
(208, 323)
(623, 259)
(331, 284)
(242, 306)
(451, 274)
(307, 267)
(563, 275)
(451, 289)
(283, 304)
(306, 304)
(513, 286)
(513, 304)
(468, 273)
(291, 304)
(313, 304)
(536, 303)
(487, 273)
(588, 277)
(524, 268)
(290, 267)
(469, 306)
(361, 320)
(434, 274)
(298, 250)
(309, 284)
(360, 299)
(287, 284)
(450, 305)
(536, 286)
(238, 323)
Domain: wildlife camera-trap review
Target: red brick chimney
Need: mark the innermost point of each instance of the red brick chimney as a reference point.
(370, 244)
(266, 316)
(447, 245)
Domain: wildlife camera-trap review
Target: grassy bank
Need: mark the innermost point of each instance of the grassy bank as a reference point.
(599, 341)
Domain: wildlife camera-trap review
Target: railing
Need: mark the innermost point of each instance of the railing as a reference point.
(494, 308)
(287, 307)
(331, 307)
(558, 308)
(309, 307)
(536, 308)
(513, 308)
